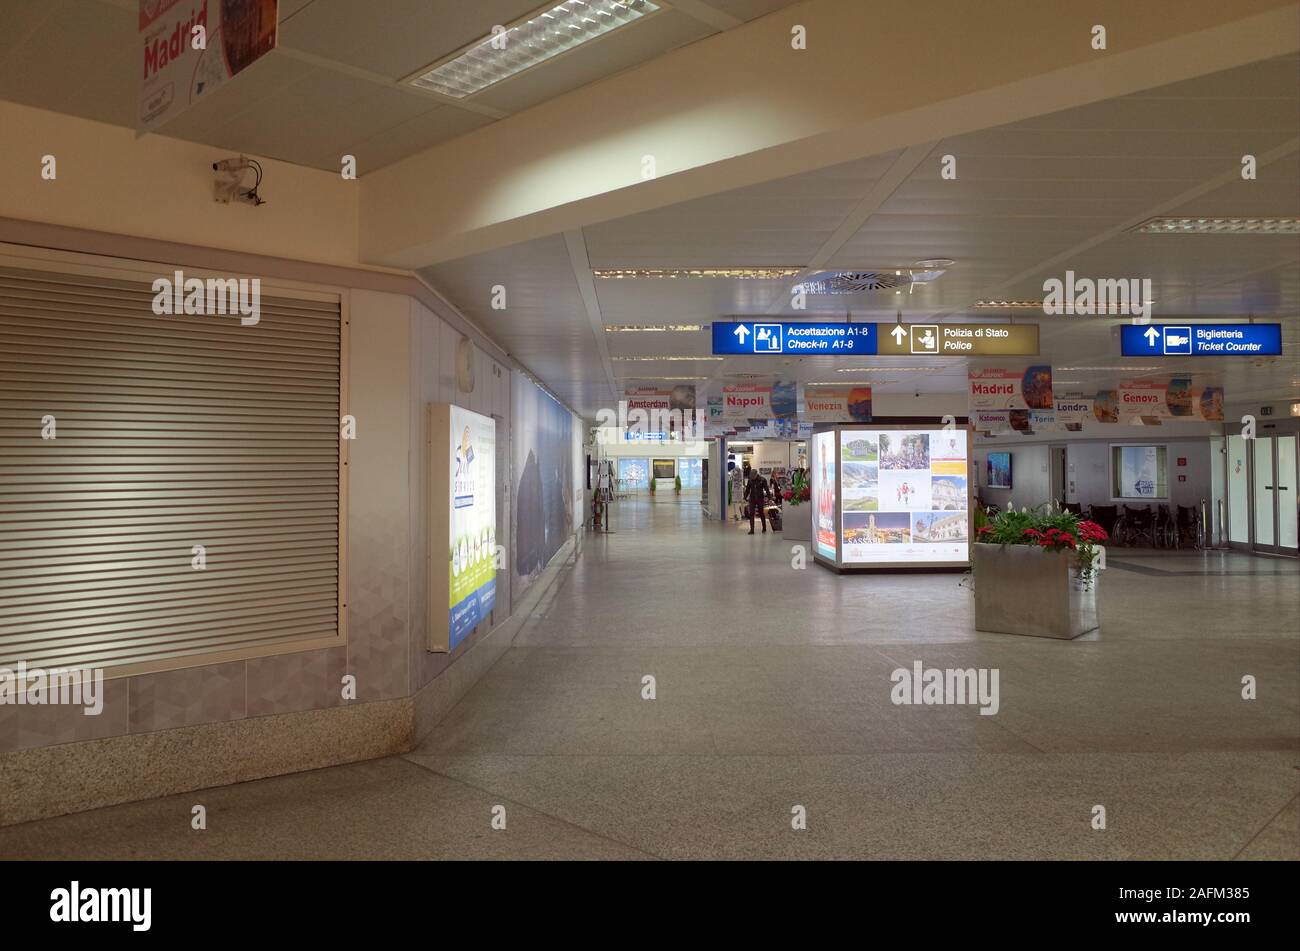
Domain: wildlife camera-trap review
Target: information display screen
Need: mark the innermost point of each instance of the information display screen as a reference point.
(905, 498)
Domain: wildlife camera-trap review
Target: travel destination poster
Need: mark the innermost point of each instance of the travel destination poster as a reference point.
(745, 401)
(998, 388)
(837, 404)
(1175, 399)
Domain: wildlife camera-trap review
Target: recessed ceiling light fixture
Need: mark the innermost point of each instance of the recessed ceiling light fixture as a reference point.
(1124, 369)
(528, 43)
(742, 273)
(664, 359)
(652, 328)
(679, 378)
(850, 383)
(1008, 304)
(1164, 225)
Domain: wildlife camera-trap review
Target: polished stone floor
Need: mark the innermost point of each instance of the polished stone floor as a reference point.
(772, 691)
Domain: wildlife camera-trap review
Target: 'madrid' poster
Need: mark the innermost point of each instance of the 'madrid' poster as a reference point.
(1011, 389)
(472, 563)
(190, 47)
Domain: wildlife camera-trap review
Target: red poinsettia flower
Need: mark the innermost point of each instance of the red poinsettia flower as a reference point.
(984, 529)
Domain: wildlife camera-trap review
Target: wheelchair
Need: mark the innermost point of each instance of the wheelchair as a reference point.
(1136, 526)
(1166, 529)
(1187, 527)
(1107, 516)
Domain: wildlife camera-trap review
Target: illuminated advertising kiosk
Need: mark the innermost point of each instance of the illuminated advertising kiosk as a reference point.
(896, 495)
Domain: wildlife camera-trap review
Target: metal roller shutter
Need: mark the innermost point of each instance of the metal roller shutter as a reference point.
(172, 432)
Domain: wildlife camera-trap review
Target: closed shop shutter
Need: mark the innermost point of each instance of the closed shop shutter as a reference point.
(170, 432)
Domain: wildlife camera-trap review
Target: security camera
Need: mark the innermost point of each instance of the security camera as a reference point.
(228, 185)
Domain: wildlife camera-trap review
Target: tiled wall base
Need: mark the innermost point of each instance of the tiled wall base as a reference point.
(73, 777)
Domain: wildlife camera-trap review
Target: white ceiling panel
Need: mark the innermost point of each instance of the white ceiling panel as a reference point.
(394, 38)
(1030, 200)
(331, 86)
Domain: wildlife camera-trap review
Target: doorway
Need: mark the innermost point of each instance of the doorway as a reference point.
(1263, 479)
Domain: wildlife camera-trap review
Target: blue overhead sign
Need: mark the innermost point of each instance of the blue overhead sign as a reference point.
(1201, 340)
(769, 337)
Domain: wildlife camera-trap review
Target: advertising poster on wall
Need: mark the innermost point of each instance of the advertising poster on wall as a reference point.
(634, 473)
(823, 493)
(1141, 475)
(905, 496)
(997, 388)
(837, 404)
(691, 471)
(543, 470)
(473, 535)
(178, 69)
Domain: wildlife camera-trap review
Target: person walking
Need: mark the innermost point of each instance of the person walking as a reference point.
(756, 494)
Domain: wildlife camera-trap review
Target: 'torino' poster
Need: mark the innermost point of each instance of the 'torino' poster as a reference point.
(472, 562)
(904, 496)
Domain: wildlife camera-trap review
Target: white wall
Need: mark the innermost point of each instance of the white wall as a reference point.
(431, 352)
(157, 187)
(1088, 468)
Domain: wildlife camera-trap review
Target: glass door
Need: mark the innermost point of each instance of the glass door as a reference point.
(1288, 516)
(1261, 486)
(1274, 487)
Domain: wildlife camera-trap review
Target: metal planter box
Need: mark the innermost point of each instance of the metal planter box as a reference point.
(797, 522)
(1022, 589)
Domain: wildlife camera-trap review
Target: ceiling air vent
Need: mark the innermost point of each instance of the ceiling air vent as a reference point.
(853, 282)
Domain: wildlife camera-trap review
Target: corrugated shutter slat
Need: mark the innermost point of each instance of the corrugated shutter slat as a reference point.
(172, 431)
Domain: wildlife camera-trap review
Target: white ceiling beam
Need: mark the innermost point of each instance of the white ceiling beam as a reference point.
(576, 243)
(743, 107)
(710, 16)
(1227, 177)
(880, 192)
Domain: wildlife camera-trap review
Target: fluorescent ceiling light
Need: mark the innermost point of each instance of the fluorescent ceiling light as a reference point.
(850, 383)
(892, 369)
(639, 377)
(1038, 305)
(528, 43)
(660, 359)
(1009, 304)
(744, 273)
(652, 328)
(1166, 225)
(1125, 369)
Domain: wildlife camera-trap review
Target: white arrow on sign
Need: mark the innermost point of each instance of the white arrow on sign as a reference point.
(1152, 335)
(741, 333)
(899, 333)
